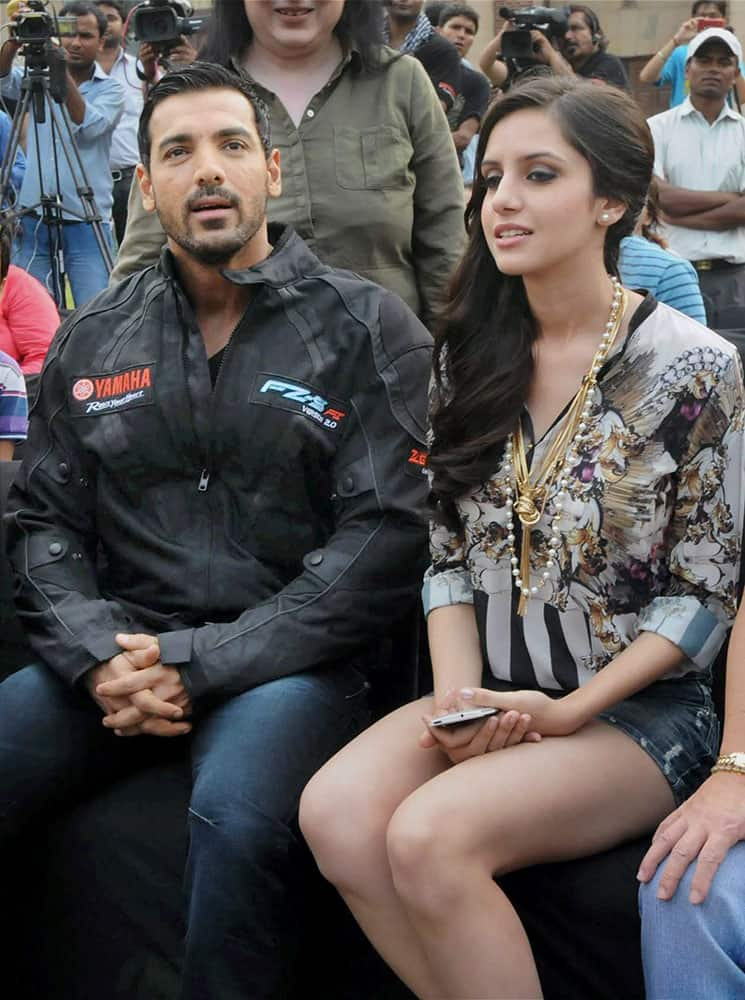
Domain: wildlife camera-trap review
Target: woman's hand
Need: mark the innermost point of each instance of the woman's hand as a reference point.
(702, 830)
(494, 732)
(549, 716)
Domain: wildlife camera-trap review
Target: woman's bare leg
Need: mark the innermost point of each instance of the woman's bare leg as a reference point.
(562, 798)
(344, 815)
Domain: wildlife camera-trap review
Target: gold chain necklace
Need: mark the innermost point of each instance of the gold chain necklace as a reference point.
(530, 499)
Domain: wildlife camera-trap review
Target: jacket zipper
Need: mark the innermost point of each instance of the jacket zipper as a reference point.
(204, 476)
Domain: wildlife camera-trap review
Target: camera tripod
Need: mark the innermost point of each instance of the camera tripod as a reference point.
(43, 93)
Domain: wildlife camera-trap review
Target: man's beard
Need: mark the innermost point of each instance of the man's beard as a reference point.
(110, 43)
(215, 254)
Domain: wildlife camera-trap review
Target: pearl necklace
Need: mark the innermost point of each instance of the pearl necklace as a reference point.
(529, 500)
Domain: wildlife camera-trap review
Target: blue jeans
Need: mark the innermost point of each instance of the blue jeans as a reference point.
(696, 952)
(251, 758)
(84, 262)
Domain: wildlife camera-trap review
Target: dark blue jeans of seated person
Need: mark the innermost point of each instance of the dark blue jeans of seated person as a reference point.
(251, 757)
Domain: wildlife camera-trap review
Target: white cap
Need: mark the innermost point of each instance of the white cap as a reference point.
(721, 35)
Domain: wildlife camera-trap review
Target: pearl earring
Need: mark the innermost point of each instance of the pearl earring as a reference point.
(604, 217)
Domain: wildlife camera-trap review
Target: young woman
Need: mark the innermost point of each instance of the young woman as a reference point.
(587, 470)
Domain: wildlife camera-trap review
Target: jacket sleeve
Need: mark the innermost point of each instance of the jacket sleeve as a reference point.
(143, 238)
(367, 574)
(438, 238)
(51, 528)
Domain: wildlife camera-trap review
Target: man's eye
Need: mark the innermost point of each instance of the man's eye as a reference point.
(175, 152)
(235, 144)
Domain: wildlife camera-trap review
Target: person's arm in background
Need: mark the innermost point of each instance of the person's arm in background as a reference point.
(143, 238)
(19, 163)
(548, 54)
(707, 825)
(31, 316)
(96, 114)
(677, 202)
(651, 71)
(476, 103)
(490, 63)
(438, 231)
(441, 61)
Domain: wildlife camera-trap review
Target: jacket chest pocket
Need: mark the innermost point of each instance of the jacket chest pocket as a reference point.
(373, 159)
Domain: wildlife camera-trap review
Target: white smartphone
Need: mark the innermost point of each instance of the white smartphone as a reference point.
(457, 718)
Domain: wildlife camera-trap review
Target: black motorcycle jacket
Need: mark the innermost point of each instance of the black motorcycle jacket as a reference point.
(261, 527)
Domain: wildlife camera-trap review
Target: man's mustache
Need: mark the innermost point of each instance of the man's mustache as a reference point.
(212, 192)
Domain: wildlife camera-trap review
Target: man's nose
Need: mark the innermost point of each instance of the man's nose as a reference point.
(208, 171)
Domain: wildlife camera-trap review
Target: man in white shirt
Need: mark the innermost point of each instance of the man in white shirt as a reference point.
(700, 165)
(121, 67)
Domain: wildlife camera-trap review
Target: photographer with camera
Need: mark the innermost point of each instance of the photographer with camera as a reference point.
(667, 67)
(584, 47)
(568, 41)
(94, 104)
(499, 61)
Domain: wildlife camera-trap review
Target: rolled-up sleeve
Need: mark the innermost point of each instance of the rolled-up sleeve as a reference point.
(447, 580)
(700, 601)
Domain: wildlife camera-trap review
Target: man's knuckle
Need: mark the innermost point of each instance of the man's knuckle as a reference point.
(681, 851)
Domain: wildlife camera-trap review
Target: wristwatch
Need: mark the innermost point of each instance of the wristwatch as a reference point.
(730, 762)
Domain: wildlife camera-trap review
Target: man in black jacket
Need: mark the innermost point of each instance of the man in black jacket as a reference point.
(220, 505)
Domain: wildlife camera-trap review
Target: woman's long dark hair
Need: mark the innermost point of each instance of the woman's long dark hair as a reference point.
(229, 33)
(483, 358)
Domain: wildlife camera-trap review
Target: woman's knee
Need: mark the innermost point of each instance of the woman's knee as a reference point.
(343, 825)
(431, 860)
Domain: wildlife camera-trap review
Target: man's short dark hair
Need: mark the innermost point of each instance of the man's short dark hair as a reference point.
(434, 9)
(79, 8)
(721, 6)
(593, 23)
(116, 4)
(195, 77)
(452, 10)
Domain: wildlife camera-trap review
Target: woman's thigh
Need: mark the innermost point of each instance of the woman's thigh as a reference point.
(353, 797)
(562, 798)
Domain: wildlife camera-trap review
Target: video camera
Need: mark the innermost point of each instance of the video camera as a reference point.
(34, 26)
(517, 43)
(163, 22)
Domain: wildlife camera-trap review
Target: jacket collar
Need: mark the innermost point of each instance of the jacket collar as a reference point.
(290, 260)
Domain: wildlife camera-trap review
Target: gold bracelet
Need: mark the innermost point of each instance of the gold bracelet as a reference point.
(734, 762)
(661, 55)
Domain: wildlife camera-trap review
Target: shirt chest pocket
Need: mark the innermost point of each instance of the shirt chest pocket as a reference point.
(374, 159)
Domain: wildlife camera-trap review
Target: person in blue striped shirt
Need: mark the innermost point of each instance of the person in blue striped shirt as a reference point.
(13, 406)
(646, 264)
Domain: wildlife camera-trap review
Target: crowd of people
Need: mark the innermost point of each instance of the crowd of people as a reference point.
(309, 349)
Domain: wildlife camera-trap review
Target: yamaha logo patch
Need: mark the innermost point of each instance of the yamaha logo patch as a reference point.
(112, 392)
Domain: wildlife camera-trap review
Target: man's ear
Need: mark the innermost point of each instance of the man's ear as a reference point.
(146, 188)
(274, 175)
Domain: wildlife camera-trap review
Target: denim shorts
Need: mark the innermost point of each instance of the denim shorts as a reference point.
(674, 721)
